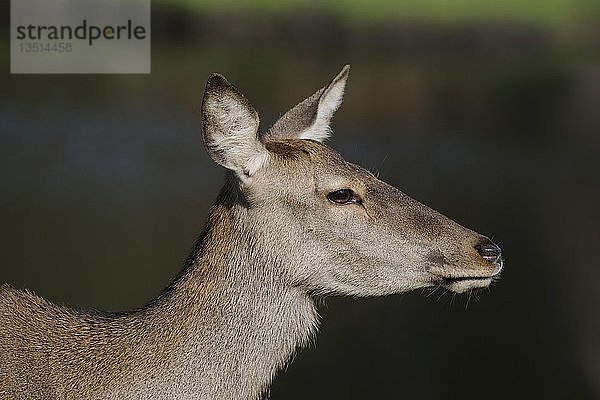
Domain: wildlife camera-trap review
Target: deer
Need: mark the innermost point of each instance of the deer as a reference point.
(293, 223)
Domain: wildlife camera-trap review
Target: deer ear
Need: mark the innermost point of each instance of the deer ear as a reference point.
(230, 128)
(310, 119)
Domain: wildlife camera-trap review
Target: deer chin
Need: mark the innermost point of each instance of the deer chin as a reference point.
(461, 285)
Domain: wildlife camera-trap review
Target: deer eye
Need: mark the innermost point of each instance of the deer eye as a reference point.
(342, 196)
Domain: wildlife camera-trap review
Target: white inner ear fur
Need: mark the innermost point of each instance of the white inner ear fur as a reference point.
(329, 102)
(235, 137)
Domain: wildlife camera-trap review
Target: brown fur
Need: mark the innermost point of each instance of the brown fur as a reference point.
(244, 301)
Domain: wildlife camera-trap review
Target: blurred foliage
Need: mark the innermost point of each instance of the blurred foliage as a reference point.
(542, 12)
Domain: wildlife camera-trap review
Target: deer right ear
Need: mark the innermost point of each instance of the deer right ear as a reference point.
(230, 128)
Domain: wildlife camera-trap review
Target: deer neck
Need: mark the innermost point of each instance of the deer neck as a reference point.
(236, 319)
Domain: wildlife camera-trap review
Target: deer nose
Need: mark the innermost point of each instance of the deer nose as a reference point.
(489, 251)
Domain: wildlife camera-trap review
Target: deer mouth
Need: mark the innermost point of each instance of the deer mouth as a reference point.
(460, 284)
(463, 284)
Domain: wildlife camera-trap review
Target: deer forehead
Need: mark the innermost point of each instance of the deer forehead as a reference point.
(311, 163)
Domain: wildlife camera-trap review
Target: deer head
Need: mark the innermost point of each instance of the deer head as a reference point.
(328, 225)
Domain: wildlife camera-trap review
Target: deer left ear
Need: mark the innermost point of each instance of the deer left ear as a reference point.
(310, 119)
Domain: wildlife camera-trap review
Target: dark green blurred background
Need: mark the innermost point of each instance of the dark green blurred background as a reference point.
(486, 111)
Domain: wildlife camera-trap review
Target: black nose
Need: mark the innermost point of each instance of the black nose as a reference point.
(489, 251)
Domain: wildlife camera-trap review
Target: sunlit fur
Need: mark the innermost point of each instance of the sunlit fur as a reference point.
(245, 299)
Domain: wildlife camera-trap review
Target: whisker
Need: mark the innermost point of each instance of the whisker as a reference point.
(434, 290)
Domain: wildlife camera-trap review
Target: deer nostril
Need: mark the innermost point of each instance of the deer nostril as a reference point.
(489, 251)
